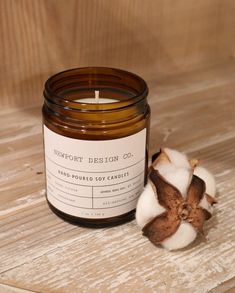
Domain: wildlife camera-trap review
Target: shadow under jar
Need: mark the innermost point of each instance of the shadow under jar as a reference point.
(96, 149)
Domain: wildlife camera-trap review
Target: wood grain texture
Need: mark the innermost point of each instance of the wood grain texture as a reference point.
(155, 38)
(40, 252)
(10, 289)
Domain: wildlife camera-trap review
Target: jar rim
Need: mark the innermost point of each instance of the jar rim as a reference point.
(58, 99)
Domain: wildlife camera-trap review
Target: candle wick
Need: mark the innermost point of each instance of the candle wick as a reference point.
(97, 93)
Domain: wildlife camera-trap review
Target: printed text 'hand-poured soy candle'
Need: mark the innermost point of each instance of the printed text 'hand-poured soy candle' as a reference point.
(96, 129)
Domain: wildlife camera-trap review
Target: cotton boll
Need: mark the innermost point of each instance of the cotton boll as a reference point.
(147, 206)
(181, 238)
(208, 178)
(178, 159)
(175, 170)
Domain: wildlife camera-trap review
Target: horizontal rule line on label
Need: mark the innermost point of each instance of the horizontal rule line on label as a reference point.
(90, 197)
(94, 207)
(94, 185)
(118, 205)
(68, 192)
(67, 203)
(94, 171)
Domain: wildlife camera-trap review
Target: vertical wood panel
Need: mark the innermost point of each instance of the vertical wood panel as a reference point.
(154, 38)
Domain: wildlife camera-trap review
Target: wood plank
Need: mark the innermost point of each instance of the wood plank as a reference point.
(108, 259)
(9, 289)
(225, 287)
(40, 252)
(192, 121)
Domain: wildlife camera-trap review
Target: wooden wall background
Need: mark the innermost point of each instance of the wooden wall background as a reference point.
(155, 38)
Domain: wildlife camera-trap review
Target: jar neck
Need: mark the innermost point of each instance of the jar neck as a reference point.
(64, 90)
(121, 114)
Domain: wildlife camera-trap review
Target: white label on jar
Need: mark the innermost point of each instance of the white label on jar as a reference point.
(94, 179)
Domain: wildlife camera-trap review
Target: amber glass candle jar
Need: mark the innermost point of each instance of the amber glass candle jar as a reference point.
(96, 129)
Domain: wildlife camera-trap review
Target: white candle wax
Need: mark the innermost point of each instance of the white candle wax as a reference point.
(96, 100)
(93, 101)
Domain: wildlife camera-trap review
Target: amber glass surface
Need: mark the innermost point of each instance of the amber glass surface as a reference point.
(63, 114)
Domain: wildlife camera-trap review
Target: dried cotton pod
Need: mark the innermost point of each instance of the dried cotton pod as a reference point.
(176, 201)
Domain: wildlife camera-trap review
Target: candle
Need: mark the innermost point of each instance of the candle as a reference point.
(96, 124)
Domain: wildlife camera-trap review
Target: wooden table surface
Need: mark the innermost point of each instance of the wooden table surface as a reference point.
(39, 252)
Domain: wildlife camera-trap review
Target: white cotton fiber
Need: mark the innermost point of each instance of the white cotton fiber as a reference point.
(165, 167)
(206, 205)
(179, 178)
(177, 159)
(208, 178)
(147, 206)
(181, 238)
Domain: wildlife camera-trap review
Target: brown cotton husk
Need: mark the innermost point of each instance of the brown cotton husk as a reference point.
(211, 199)
(193, 163)
(177, 207)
